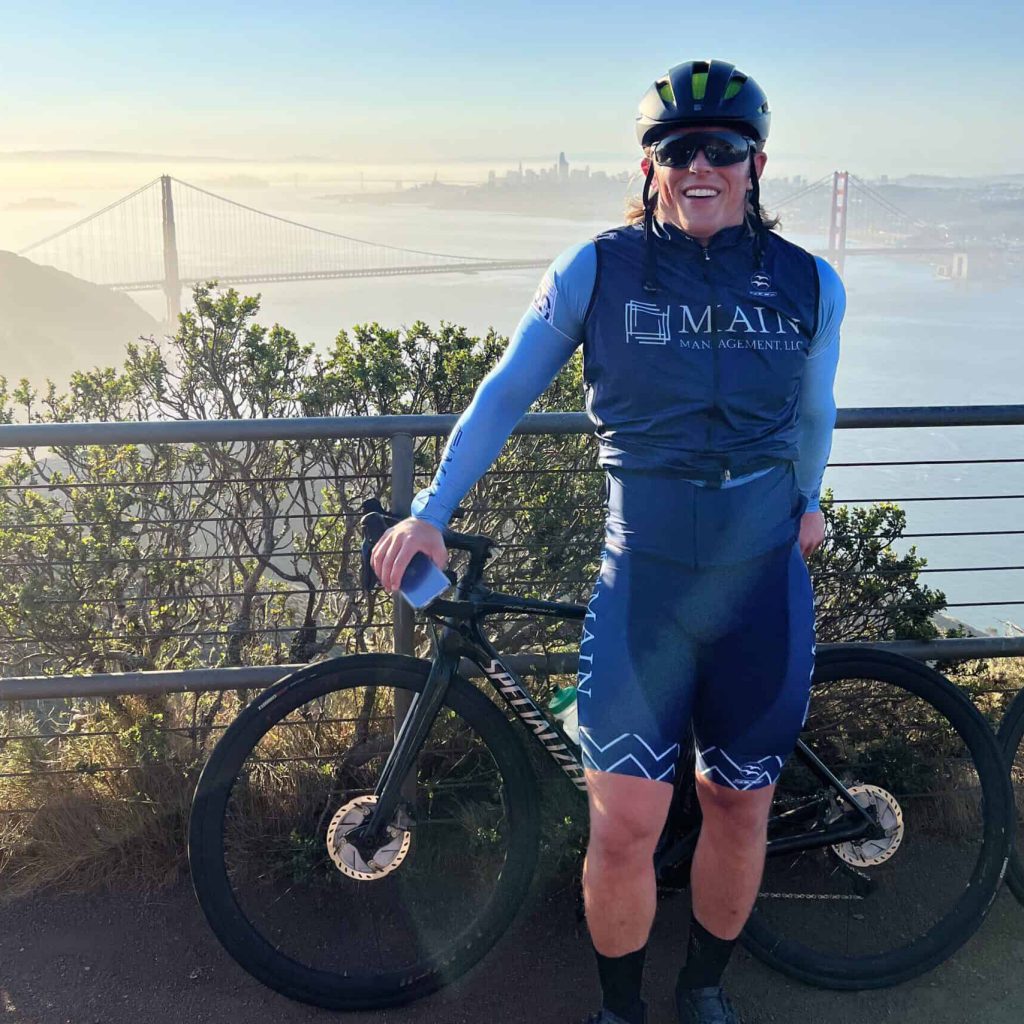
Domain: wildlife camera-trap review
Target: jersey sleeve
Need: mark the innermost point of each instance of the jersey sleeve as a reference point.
(548, 334)
(817, 400)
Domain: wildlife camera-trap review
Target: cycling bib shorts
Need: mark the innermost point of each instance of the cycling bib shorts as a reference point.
(702, 614)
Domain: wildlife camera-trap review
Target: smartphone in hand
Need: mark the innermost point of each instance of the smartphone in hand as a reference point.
(422, 581)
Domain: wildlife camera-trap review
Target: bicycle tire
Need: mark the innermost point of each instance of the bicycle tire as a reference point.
(339, 988)
(826, 969)
(1011, 739)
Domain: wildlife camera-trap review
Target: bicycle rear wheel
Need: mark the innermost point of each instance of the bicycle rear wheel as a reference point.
(876, 912)
(1011, 738)
(292, 901)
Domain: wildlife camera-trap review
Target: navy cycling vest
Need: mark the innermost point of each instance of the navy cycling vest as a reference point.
(704, 374)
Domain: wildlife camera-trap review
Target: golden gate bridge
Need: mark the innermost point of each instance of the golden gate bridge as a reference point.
(169, 234)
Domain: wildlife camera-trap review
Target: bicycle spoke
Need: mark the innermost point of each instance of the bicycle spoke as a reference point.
(294, 782)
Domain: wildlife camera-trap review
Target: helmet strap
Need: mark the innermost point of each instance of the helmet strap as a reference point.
(650, 250)
(758, 225)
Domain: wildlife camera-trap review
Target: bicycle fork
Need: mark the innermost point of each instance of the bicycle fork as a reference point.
(412, 734)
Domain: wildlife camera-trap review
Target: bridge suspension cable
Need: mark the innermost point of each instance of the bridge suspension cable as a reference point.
(878, 198)
(803, 191)
(120, 242)
(219, 237)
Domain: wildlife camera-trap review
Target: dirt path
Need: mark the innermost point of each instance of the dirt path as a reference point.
(134, 960)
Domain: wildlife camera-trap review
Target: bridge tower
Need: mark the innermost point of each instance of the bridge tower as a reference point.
(172, 282)
(837, 220)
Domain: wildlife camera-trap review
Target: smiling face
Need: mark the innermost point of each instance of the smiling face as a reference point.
(702, 199)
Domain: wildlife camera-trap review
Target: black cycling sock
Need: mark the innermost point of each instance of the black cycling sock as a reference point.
(621, 980)
(706, 958)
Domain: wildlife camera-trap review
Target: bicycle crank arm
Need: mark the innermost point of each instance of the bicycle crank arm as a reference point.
(836, 833)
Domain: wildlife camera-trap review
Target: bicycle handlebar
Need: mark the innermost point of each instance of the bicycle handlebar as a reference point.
(376, 520)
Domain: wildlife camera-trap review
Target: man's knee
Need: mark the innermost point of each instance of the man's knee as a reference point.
(743, 813)
(627, 815)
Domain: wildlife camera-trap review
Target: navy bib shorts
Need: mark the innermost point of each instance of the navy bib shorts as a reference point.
(702, 614)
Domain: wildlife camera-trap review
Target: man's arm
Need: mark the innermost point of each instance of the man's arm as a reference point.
(548, 334)
(817, 401)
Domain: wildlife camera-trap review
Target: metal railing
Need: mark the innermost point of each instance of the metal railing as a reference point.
(401, 432)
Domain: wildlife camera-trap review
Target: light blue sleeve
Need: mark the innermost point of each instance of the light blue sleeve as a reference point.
(548, 334)
(817, 401)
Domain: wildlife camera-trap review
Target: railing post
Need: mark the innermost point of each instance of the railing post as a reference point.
(402, 617)
(401, 502)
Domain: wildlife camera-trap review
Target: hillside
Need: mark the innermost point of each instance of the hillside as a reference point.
(52, 323)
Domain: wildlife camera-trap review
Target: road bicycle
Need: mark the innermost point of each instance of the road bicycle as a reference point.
(1011, 737)
(367, 829)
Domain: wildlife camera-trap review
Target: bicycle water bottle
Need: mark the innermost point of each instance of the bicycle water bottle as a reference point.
(563, 707)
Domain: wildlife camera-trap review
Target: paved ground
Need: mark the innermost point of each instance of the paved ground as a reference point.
(135, 960)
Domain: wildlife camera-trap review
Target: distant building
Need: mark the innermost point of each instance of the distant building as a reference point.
(563, 168)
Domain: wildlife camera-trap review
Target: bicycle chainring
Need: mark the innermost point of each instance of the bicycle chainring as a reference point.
(348, 860)
(872, 851)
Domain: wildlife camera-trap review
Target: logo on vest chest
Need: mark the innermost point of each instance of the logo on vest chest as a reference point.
(761, 285)
(757, 328)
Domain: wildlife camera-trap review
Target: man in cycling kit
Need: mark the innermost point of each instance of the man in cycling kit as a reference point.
(710, 348)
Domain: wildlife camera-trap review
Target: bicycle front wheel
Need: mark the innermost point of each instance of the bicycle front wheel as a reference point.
(914, 751)
(296, 904)
(1011, 738)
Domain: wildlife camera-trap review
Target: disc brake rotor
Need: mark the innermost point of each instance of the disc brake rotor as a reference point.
(869, 852)
(348, 860)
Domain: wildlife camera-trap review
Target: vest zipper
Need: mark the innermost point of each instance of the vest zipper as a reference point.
(706, 268)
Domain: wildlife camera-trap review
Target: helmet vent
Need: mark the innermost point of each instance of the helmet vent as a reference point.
(734, 86)
(665, 91)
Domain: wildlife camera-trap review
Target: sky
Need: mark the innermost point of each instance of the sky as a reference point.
(875, 87)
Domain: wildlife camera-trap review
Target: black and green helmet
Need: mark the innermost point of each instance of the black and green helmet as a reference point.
(703, 92)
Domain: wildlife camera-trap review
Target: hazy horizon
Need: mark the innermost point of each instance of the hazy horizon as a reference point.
(876, 89)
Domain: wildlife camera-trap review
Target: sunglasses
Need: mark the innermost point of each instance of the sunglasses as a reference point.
(720, 149)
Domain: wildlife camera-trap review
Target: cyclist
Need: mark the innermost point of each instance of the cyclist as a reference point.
(710, 347)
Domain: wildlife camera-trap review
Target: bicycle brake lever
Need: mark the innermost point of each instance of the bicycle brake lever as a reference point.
(374, 527)
(367, 577)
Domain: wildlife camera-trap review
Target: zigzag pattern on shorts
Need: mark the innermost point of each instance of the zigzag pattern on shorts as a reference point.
(716, 765)
(628, 754)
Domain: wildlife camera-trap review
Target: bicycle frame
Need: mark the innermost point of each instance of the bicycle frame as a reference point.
(463, 637)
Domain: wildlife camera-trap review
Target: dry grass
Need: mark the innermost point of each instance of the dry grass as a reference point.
(103, 796)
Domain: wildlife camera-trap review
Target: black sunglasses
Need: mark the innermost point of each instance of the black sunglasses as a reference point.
(720, 149)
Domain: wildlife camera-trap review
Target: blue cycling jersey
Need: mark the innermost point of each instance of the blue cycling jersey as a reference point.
(727, 365)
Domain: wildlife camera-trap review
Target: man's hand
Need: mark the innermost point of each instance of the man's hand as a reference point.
(394, 551)
(812, 533)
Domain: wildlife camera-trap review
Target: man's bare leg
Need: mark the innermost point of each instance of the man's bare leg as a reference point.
(729, 860)
(619, 890)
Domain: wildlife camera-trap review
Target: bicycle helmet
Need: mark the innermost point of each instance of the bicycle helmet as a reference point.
(703, 92)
